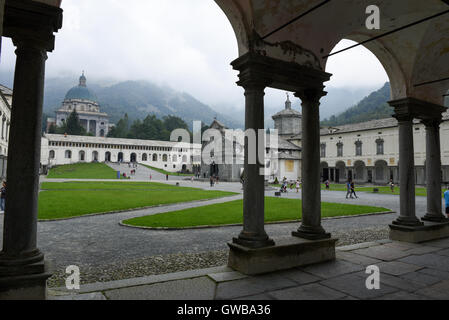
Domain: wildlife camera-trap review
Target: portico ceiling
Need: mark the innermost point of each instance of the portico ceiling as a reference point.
(412, 56)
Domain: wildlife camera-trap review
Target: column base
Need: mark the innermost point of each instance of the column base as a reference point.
(27, 286)
(435, 218)
(254, 243)
(408, 222)
(287, 253)
(417, 234)
(311, 233)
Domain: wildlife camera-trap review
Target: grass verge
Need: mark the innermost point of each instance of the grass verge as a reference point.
(276, 210)
(73, 199)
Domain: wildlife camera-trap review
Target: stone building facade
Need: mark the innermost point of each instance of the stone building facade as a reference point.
(170, 156)
(368, 152)
(5, 121)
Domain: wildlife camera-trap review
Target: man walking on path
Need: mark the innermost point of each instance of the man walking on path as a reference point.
(446, 199)
(348, 189)
(353, 189)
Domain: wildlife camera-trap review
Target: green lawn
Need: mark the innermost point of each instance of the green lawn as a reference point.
(276, 209)
(82, 171)
(70, 199)
(166, 172)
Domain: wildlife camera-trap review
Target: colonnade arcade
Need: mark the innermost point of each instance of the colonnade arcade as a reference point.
(282, 45)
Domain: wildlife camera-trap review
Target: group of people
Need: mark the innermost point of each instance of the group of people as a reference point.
(350, 187)
(296, 184)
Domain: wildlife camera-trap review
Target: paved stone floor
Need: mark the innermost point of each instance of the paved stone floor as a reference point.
(407, 271)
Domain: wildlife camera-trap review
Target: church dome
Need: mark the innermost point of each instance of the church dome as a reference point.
(81, 92)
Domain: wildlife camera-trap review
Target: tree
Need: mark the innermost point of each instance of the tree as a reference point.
(73, 126)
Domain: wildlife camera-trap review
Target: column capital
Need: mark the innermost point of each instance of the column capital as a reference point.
(32, 23)
(310, 94)
(432, 122)
(403, 117)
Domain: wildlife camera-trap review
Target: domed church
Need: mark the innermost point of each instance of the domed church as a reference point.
(86, 104)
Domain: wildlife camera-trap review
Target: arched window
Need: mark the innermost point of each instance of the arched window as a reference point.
(164, 158)
(144, 157)
(52, 154)
(82, 156)
(68, 154)
(154, 157)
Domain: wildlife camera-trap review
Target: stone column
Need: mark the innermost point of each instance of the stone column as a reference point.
(407, 215)
(433, 171)
(253, 234)
(311, 186)
(20, 255)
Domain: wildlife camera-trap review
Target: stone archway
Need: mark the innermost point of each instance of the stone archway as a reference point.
(381, 172)
(360, 174)
(325, 172)
(133, 157)
(107, 156)
(340, 172)
(120, 157)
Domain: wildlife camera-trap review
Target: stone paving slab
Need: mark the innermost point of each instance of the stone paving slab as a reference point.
(402, 295)
(383, 253)
(356, 258)
(438, 291)
(421, 278)
(299, 276)
(354, 285)
(430, 260)
(397, 268)
(202, 288)
(252, 286)
(333, 268)
(312, 291)
(227, 276)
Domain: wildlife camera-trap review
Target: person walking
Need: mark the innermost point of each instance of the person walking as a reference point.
(353, 189)
(326, 183)
(391, 185)
(446, 199)
(348, 189)
(3, 197)
(166, 177)
(297, 186)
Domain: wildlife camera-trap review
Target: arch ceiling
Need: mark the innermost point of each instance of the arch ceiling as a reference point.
(411, 56)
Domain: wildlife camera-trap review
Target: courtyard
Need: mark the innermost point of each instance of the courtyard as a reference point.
(106, 250)
(119, 262)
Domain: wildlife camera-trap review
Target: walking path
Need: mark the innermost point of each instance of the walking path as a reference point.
(407, 271)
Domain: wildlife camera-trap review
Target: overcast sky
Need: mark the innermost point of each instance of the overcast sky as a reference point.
(186, 44)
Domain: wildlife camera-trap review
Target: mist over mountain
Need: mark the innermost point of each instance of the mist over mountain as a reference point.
(136, 98)
(140, 98)
(372, 107)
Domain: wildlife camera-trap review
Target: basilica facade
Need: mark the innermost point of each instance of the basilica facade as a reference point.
(85, 102)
